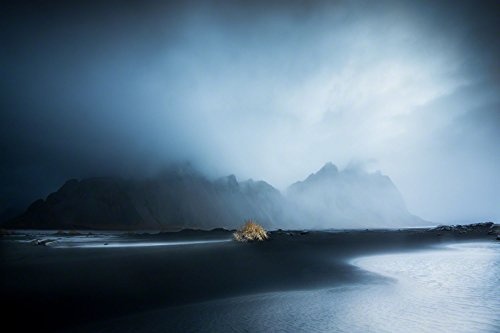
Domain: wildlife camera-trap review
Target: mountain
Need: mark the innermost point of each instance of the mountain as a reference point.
(350, 198)
(181, 197)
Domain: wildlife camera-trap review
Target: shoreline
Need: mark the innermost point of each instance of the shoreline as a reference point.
(399, 297)
(64, 288)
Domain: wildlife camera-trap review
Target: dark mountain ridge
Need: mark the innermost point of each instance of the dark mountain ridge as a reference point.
(181, 198)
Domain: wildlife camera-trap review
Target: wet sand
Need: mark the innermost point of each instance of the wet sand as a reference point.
(48, 288)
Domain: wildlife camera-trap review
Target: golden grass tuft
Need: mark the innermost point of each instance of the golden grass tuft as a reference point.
(251, 231)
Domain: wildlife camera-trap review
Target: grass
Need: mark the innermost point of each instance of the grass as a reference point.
(251, 231)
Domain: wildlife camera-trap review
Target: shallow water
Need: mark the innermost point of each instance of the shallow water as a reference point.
(100, 243)
(455, 289)
(109, 241)
(449, 289)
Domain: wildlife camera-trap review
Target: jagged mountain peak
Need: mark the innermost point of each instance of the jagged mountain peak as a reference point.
(328, 170)
(183, 197)
(229, 182)
(329, 167)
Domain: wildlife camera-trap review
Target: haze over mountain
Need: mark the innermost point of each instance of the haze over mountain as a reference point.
(125, 88)
(348, 198)
(182, 197)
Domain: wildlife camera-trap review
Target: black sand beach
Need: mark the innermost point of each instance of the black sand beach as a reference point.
(46, 289)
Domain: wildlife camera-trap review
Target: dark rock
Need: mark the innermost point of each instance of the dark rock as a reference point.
(494, 229)
(463, 229)
(219, 230)
(42, 242)
(441, 228)
(4, 232)
(68, 233)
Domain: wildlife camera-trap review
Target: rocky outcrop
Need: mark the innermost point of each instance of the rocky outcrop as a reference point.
(484, 227)
(42, 242)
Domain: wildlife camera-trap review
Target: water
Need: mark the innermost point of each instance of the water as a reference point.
(451, 289)
(100, 244)
(109, 241)
(455, 289)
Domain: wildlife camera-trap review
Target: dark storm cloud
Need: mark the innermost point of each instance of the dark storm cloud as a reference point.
(103, 88)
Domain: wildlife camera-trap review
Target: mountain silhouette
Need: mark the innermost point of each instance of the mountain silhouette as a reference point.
(181, 197)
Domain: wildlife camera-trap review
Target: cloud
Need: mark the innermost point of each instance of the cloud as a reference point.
(262, 90)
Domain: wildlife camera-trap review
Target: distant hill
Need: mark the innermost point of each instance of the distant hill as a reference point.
(181, 197)
(349, 199)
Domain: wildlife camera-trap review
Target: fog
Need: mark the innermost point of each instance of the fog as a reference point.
(263, 90)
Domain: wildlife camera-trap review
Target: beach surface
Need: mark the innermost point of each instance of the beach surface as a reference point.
(203, 281)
